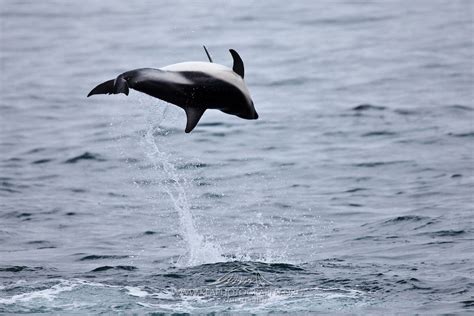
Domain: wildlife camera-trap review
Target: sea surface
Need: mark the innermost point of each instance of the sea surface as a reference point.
(353, 192)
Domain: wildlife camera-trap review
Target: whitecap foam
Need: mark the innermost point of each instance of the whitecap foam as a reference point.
(48, 294)
(136, 291)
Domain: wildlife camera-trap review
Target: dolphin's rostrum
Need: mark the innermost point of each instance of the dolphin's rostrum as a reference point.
(193, 86)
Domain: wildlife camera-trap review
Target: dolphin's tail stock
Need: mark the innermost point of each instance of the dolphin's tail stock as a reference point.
(114, 86)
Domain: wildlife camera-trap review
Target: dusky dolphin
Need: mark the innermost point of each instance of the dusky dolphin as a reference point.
(193, 86)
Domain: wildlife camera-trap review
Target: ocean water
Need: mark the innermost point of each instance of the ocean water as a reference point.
(351, 194)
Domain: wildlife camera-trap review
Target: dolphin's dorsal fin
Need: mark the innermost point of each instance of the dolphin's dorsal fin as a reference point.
(207, 53)
(238, 63)
(193, 115)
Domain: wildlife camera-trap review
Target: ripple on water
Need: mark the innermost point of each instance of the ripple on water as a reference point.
(16, 269)
(459, 107)
(445, 233)
(85, 156)
(399, 225)
(9, 187)
(465, 134)
(379, 133)
(116, 268)
(368, 107)
(42, 161)
(406, 218)
(102, 257)
(373, 164)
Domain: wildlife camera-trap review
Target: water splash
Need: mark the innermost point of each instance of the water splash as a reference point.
(199, 249)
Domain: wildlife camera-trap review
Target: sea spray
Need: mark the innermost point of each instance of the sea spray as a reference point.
(199, 250)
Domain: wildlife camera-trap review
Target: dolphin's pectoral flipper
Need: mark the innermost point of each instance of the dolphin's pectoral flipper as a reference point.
(104, 88)
(207, 53)
(193, 116)
(238, 67)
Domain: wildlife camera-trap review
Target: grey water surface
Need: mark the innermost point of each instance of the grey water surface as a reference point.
(352, 193)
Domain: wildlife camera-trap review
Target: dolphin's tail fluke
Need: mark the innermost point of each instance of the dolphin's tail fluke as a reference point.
(104, 88)
(114, 86)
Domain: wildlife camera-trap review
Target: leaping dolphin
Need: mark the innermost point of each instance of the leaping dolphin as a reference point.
(193, 86)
